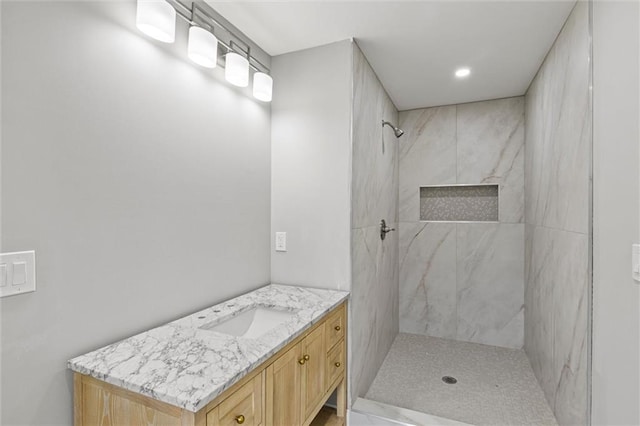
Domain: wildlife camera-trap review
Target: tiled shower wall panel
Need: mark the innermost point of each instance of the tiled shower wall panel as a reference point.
(558, 140)
(374, 263)
(463, 281)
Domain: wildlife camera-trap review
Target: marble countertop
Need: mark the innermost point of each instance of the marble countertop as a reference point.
(183, 365)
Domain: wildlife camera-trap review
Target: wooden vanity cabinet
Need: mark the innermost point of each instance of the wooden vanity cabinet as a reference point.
(335, 364)
(312, 385)
(335, 326)
(289, 389)
(296, 382)
(283, 389)
(244, 406)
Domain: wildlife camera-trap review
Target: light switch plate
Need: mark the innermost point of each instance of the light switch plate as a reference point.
(3, 274)
(635, 262)
(281, 241)
(20, 273)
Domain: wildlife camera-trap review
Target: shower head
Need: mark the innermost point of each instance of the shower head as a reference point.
(396, 130)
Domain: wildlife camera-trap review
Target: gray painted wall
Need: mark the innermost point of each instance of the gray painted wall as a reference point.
(311, 166)
(616, 216)
(141, 181)
(557, 187)
(374, 289)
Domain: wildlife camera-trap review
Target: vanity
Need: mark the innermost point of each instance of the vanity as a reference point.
(273, 356)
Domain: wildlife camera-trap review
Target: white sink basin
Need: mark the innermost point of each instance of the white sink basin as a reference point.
(252, 323)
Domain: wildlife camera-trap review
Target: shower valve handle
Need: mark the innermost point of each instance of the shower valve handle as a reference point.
(384, 229)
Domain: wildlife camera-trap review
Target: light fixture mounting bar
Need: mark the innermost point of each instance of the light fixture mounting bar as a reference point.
(190, 14)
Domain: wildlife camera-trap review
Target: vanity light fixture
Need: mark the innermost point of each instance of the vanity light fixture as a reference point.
(262, 86)
(463, 72)
(203, 47)
(157, 19)
(236, 69)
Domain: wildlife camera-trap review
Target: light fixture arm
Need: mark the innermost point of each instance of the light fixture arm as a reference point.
(197, 15)
(233, 47)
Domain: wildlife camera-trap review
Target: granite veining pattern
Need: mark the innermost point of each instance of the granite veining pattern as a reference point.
(428, 279)
(375, 149)
(457, 280)
(559, 132)
(463, 281)
(558, 138)
(490, 149)
(183, 365)
(427, 155)
(490, 291)
(374, 263)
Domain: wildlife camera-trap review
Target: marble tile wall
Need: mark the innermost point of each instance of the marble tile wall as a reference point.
(558, 141)
(463, 281)
(374, 319)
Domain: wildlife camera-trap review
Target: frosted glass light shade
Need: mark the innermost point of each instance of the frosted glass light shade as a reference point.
(203, 47)
(237, 70)
(262, 86)
(157, 19)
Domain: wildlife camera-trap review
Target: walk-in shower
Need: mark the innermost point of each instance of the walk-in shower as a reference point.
(476, 310)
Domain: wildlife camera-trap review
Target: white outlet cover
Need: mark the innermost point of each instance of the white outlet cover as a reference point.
(20, 273)
(281, 241)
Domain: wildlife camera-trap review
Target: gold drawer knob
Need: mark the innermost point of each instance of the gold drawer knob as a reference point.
(337, 364)
(240, 419)
(337, 328)
(301, 361)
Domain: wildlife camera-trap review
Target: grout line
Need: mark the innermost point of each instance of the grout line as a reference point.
(456, 141)
(456, 295)
(551, 228)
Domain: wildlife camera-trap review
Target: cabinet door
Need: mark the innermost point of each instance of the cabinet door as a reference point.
(283, 389)
(315, 355)
(243, 406)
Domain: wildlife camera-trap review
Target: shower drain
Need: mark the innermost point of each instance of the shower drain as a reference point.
(450, 380)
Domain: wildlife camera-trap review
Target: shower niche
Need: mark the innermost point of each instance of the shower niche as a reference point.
(459, 203)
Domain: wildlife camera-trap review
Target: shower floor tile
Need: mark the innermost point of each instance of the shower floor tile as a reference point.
(495, 386)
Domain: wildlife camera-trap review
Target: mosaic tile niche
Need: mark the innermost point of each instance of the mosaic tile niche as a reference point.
(463, 203)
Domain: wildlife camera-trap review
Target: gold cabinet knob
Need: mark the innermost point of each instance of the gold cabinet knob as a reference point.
(240, 419)
(337, 364)
(337, 328)
(304, 359)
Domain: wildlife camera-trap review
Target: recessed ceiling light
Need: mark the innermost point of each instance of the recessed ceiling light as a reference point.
(463, 72)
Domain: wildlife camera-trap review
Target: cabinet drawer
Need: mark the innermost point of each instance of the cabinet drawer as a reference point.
(244, 406)
(335, 363)
(334, 328)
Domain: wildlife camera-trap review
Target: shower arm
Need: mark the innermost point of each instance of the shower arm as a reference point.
(396, 130)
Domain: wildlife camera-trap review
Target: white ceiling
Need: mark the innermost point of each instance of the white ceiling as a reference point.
(415, 46)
